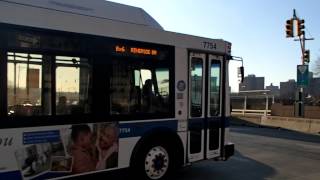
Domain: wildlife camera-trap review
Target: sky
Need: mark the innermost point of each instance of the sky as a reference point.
(255, 28)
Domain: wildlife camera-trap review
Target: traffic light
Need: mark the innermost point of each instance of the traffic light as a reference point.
(289, 28)
(306, 56)
(300, 27)
(241, 73)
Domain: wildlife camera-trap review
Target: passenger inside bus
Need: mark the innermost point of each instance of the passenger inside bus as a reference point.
(135, 99)
(62, 107)
(147, 95)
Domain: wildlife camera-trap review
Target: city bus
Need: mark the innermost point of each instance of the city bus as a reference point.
(91, 87)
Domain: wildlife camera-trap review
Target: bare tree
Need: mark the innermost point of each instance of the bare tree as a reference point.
(316, 67)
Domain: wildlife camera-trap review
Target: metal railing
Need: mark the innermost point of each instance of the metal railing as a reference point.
(250, 112)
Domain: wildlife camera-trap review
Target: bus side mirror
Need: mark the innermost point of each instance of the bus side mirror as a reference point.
(241, 73)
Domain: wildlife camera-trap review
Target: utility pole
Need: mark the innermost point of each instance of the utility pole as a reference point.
(302, 70)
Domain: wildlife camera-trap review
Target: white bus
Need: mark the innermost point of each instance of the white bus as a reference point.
(90, 87)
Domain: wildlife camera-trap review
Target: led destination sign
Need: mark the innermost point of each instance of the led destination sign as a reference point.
(136, 50)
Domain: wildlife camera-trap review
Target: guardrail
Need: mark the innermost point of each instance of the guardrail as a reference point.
(250, 112)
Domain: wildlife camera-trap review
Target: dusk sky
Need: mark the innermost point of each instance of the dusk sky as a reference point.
(256, 30)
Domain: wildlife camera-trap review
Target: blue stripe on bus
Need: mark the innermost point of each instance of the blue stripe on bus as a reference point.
(16, 175)
(51, 175)
(140, 128)
(12, 175)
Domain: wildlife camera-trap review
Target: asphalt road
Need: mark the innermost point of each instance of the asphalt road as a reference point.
(263, 153)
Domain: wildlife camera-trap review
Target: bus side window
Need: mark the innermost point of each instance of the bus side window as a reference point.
(138, 89)
(27, 73)
(163, 89)
(73, 85)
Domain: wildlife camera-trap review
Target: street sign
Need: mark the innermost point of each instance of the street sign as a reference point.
(302, 75)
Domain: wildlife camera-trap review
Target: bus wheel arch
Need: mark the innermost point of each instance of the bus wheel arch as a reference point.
(160, 141)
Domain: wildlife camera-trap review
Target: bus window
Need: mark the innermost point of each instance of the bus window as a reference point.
(25, 77)
(135, 89)
(120, 88)
(214, 88)
(163, 84)
(147, 91)
(196, 87)
(137, 77)
(73, 75)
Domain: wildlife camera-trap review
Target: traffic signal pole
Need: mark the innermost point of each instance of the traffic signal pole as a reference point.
(305, 57)
(302, 44)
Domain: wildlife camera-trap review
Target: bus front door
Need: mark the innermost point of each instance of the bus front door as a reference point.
(204, 106)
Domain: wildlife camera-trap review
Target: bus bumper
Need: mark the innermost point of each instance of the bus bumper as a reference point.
(228, 151)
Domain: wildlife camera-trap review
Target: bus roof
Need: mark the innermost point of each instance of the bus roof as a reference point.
(102, 18)
(97, 8)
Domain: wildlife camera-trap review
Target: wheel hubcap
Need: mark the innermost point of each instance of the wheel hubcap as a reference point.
(156, 162)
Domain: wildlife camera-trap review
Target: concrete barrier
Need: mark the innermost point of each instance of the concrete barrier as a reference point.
(298, 124)
(254, 119)
(315, 126)
(305, 125)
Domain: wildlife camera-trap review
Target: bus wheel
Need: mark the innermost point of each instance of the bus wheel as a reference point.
(155, 162)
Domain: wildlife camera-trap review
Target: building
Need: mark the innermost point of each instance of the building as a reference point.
(274, 90)
(251, 82)
(313, 89)
(288, 91)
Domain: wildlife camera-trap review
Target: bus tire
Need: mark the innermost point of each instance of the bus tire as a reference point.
(154, 161)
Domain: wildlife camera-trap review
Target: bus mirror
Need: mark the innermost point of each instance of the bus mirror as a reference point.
(241, 73)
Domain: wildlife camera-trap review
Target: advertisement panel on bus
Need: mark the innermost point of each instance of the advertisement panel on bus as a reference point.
(47, 152)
